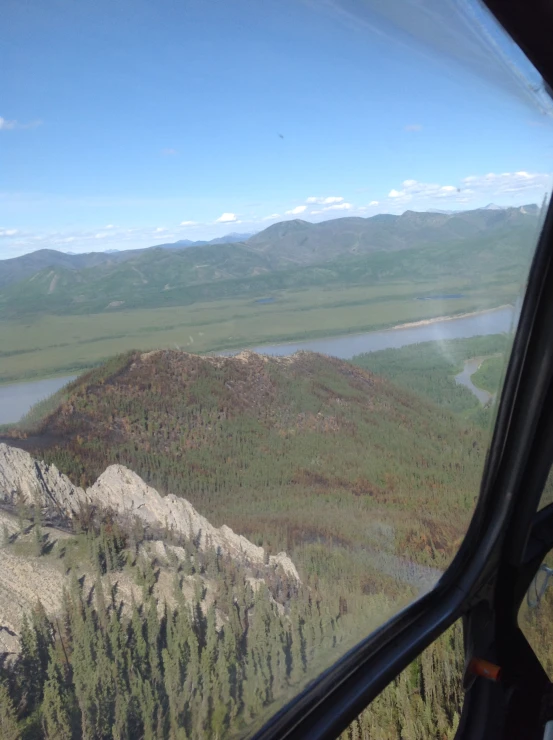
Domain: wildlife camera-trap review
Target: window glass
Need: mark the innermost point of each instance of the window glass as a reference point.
(547, 493)
(260, 269)
(534, 617)
(424, 702)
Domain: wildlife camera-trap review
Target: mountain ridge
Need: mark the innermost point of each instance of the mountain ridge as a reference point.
(231, 238)
(291, 254)
(296, 239)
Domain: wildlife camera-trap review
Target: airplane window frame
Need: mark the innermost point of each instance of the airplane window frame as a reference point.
(480, 578)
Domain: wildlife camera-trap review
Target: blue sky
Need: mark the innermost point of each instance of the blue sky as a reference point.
(125, 123)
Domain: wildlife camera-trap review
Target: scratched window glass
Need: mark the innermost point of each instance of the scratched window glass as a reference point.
(261, 265)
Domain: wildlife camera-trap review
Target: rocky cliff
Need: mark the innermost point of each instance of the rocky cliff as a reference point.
(120, 490)
(26, 577)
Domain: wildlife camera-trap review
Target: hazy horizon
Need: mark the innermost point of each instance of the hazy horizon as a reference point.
(130, 247)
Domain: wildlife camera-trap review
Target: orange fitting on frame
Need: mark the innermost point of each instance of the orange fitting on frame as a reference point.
(484, 668)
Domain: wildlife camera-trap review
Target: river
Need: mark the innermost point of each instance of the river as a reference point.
(17, 398)
(465, 378)
(496, 321)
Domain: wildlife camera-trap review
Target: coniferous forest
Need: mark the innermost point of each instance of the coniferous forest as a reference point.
(185, 669)
(367, 484)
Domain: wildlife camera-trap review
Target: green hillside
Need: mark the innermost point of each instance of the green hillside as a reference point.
(61, 320)
(368, 485)
(302, 242)
(160, 278)
(289, 255)
(246, 440)
(429, 368)
(489, 374)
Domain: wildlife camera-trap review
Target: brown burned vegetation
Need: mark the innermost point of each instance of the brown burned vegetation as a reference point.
(356, 478)
(309, 441)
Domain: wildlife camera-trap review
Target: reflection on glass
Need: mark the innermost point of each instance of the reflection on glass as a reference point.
(535, 614)
(539, 586)
(195, 530)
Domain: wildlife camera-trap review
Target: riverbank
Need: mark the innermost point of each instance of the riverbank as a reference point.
(345, 346)
(465, 378)
(453, 317)
(325, 335)
(49, 345)
(17, 399)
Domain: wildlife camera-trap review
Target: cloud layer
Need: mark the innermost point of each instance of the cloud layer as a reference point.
(226, 218)
(6, 125)
(472, 191)
(506, 182)
(334, 207)
(325, 201)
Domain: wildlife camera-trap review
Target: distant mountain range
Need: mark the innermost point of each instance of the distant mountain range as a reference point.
(183, 243)
(301, 242)
(489, 207)
(231, 238)
(292, 253)
(18, 268)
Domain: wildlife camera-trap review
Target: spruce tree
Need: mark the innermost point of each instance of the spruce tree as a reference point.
(56, 708)
(30, 667)
(39, 535)
(9, 729)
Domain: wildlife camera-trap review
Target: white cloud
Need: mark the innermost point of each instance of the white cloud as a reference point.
(334, 207)
(414, 189)
(6, 125)
(227, 218)
(413, 127)
(507, 182)
(339, 207)
(324, 201)
(472, 191)
(160, 229)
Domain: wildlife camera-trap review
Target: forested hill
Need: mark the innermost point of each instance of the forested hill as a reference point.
(149, 631)
(302, 242)
(115, 625)
(287, 255)
(287, 451)
(366, 486)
